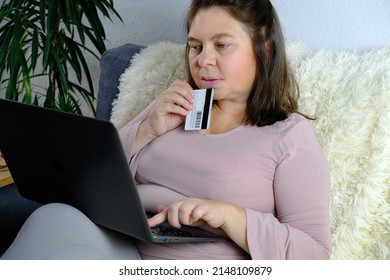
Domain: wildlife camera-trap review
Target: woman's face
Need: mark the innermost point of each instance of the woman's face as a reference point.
(221, 55)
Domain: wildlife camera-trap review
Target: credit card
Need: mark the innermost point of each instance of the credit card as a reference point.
(199, 117)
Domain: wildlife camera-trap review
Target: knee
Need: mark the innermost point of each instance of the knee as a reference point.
(50, 215)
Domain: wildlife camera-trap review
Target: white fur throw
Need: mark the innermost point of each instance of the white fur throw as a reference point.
(349, 94)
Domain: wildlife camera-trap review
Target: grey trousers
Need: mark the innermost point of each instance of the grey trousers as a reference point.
(61, 232)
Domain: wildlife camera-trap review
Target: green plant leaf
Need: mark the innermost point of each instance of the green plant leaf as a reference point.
(15, 44)
(63, 81)
(33, 32)
(10, 92)
(87, 97)
(97, 29)
(52, 26)
(5, 46)
(27, 98)
(72, 58)
(42, 14)
(101, 4)
(50, 96)
(86, 69)
(34, 48)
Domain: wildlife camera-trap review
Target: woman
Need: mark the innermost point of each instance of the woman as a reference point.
(256, 175)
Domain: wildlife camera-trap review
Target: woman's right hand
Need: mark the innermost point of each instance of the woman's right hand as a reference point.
(170, 108)
(169, 111)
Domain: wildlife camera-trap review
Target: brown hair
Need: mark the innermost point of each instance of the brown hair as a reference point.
(275, 93)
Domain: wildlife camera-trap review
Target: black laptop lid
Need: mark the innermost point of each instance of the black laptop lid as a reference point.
(61, 157)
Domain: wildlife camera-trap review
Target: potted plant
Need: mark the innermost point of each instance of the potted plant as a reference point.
(47, 40)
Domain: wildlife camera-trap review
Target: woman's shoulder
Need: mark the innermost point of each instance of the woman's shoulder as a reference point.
(296, 126)
(294, 120)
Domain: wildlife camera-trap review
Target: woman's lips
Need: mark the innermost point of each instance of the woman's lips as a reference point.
(209, 82)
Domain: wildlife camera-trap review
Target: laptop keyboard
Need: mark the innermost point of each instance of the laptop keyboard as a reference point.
(164, 230)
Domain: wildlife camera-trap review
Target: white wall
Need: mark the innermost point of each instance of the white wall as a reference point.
(149, 21)
(334, 24)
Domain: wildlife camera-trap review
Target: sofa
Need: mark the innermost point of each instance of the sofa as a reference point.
(349, 93)
(113, 64)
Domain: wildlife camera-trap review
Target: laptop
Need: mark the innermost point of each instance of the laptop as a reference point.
(55, 156)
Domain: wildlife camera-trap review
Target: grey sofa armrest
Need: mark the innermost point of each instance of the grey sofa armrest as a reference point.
(112, 64)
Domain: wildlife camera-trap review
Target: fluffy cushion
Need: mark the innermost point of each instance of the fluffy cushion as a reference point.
(151, 71)
(349, 94)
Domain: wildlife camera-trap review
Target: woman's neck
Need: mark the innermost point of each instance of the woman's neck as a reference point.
(225, 117)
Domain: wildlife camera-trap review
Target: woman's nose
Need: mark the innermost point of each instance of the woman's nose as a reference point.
(207, 57)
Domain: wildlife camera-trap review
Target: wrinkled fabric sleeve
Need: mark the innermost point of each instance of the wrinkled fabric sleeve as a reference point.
(301, 228)
(128, 133)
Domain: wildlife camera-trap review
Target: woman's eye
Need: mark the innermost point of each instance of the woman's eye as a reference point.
(195, 48)
(222, 45)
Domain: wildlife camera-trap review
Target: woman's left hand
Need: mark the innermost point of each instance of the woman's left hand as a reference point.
(192, 212)
(216, 214)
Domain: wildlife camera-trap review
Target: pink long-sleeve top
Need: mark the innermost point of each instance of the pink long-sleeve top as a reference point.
(278, 173)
